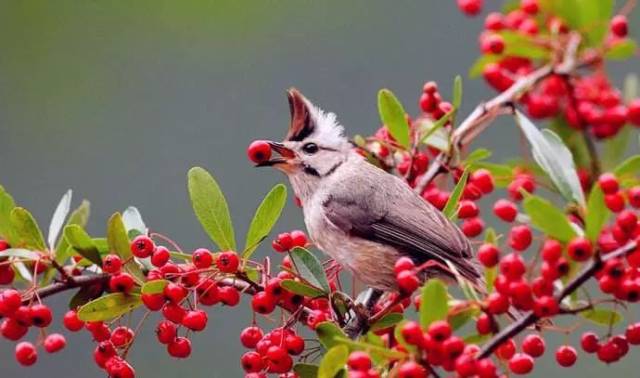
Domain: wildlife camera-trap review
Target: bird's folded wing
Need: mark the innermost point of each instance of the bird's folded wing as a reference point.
(415, 228)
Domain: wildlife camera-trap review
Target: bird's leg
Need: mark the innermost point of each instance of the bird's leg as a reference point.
(359, 323)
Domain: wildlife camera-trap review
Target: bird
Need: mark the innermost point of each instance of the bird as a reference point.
(358, 214)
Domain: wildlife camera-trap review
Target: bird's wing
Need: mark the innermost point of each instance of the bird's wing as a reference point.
(404, 221)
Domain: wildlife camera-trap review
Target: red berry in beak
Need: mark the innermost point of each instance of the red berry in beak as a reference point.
(259, 151)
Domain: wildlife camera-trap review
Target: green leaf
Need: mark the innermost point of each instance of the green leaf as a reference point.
(387, 321)
(502, 173)
(460, 318)
(20, 253)
(79, 216)
(554, 158)
(622, 50)
(476, 339)
(265, 218)
(328, 333)
(119, 243)
(132, 220)
(597, 213)
(85, 295)
(615, 148)
(372, 349)
(393, 117)
(484, 60)
(333, 361)
(631, 166)
(574, 140)
(568, 10)
(594, 19)
(26, 229)
(457, 92)
(490, 275)
(520, 45)
(490, 236)
(601, 316)
(57, 220)
(548, 218)
(432, 137)
(433, 302)
(451, 208)
(211, 208)
(109, 307)
(306, 370)
(82, 243)
(154, 287)
(476, 156)
(309, 268)
(6, 228)
(301, 288)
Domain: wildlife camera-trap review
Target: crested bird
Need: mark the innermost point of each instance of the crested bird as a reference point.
(360, 215)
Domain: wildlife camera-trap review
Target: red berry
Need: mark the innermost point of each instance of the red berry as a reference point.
(12, 330)
(465, 365)
(483, 179)
(72, 322)
(259, 151)
(179, 348)
(513, 266)
(521, 364)
(252, 362)
(627, 220)
(153, 302)
(589, 342)
(530, 6)
(202, 258)
(359, 361)
(520, 237)
(160, 256)
(283, 243)
(551, 250)
(26, 353)
(103, 352)
(488, 255)
(470, 7)
(545, 306)
(54, 343)
(118, 368)
(633, 334)
(453, 347)
(533, 345)
(195, 320)
(484, 324)
(99, 331)
(486, 368)
(121, 282)
(505, 210)
(614, 202)
(111, 264)
(467, 209)
(173, 312)
(493, 43)
(298, 238)
(608, 183)
(7, 274)
(40, 315)
(4, 245)
(10, 301)
(122, 336)
(263, 303)
(497, 303)
(439, 331)
(228, 262)
(250, 336)
(506, 350)
(294, 344)
(403, 263)
(229, 295)
(142, 246)
(166, 332)
(619, 26)
(472, 227)
(175, 292)
(633, 112)
(412, 333)
(412, 369)
(580, 249)
(407, 281)
(566, 356)
(494, 21)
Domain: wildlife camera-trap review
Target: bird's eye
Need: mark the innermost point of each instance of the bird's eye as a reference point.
(310, 148)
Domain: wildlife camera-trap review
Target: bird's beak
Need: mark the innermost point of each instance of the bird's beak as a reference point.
(286, 154)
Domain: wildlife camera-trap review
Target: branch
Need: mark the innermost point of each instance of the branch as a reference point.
(485, 113)
(530, 318)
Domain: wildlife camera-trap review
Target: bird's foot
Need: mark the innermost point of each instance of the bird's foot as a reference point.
(361, 313)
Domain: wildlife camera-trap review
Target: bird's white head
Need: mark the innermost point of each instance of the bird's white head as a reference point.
(314, 147)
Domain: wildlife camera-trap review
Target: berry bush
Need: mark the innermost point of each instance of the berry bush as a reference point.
(566, 258)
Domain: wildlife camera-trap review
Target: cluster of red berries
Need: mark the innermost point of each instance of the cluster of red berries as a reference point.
(614, 347)
(286, 241)
(272, 352)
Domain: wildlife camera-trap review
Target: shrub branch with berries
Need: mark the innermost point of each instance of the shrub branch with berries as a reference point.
(567, 258)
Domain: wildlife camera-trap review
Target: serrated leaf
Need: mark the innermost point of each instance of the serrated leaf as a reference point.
(6, 205)
(309, 268)
(602, 316)
(82, 243)
(305, 370)
(433, 302)
(109, 307)
(211, 208)
(394, 117)
(26, 230)
(333, 361)
(20, 253)
(554, 158)
(265, 218)
(621, 50)
(451, 208)
(548, 218)
(79, 216)
(118, 242)
(85, 295)
(327, 333)
(301, 288)
(154, 286)
(457, 92)
(389, 320)
(57, 220)
(597, 213)
(132, 220)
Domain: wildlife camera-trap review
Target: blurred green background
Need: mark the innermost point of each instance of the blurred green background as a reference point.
(117, 99)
